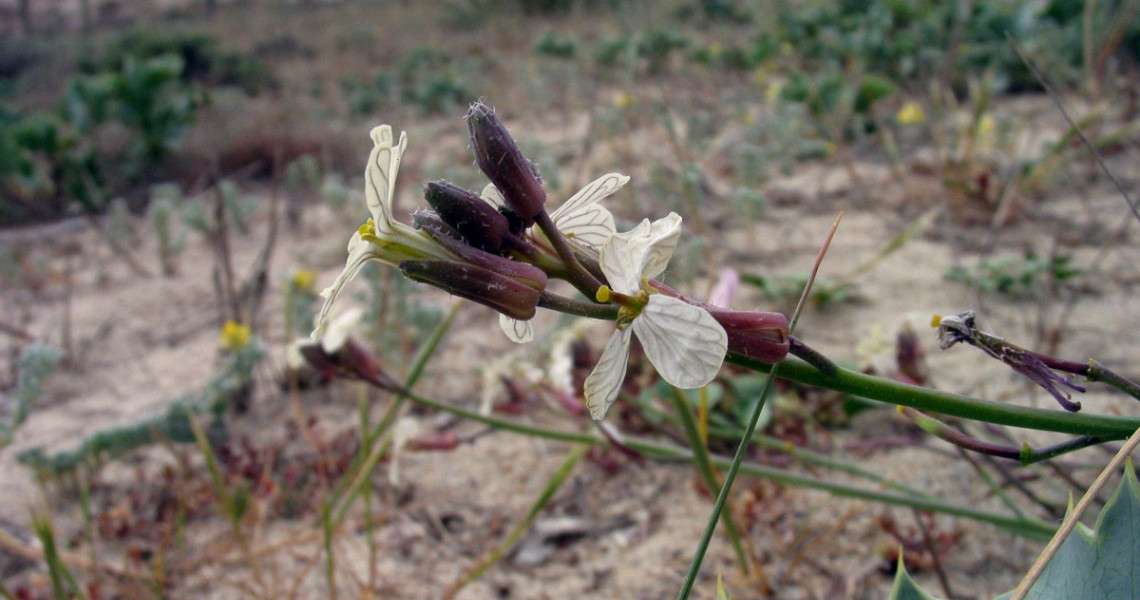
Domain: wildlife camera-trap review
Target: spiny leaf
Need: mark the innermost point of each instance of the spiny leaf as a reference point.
(1100, 564)
(1092, 564)
(905, 588)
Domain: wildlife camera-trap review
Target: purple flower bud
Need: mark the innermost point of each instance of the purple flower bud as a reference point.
(476, 220)
(500, 159)
(515, 298)
(523, 272)
(759, 335)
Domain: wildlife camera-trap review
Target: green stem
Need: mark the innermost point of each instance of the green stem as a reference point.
(607, 312)
(578, 275)
(350, 487)
(729, 479)
(815, 458)
(1025, 454)
(1098, 372)
(1025, 527)
(704, 466)
(1107, 428)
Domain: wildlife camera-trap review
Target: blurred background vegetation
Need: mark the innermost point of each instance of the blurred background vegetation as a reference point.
(103, 100)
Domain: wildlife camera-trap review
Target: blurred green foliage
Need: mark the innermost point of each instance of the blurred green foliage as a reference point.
(123, 114)
(1013, 276)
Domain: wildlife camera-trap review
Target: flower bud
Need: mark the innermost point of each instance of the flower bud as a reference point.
(515, 298)
(500, 159)
(759, 335)
(522, 272)
(476, 220)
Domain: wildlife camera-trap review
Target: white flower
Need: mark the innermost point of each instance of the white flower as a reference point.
(581, 219)
(382, 238)
(684, 343)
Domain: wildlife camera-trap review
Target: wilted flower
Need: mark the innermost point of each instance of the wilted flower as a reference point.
(962, 328)
(684, 342)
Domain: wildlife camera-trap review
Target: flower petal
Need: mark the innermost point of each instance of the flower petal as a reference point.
(337, 333)
(604, 383)
(380, 175)
(519, 332)
(684, 342)
(583, 219)
(359, 252)
(493, 196)
(643, 251)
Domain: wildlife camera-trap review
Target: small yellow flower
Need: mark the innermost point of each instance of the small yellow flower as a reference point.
(624, 100)
(772, 93)
(986, 128)
(305, 280)
(911, 113)
(235, 336)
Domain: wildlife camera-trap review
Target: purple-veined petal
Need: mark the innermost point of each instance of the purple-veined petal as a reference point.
(359, 252)
(604, 383)
(642, 252)
(519, 332)
(583, 219)
(380, 175)
(684, 342)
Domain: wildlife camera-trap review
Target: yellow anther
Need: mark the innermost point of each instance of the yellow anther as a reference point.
(603, 294)
(936, 321)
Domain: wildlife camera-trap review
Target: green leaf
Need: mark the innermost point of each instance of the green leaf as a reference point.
(720, 593)
(1100, 564)
(905, 588)
(1092, 564)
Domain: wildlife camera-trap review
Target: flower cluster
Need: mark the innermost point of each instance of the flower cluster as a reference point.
(501, 247)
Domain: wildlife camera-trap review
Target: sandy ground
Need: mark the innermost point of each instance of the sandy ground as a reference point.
(141, 341)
